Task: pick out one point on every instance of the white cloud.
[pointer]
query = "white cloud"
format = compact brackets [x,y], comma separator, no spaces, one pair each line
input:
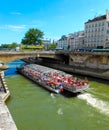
[15,13]
[13,27]
[22,27]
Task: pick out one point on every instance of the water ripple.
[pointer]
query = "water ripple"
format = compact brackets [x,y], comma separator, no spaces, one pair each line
[52,95]
[60,112]
[103,106]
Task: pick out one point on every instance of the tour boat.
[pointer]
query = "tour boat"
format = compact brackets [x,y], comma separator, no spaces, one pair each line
[41,75]
[52,79]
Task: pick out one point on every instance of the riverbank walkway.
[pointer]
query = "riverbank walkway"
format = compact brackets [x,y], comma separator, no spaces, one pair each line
[6,120]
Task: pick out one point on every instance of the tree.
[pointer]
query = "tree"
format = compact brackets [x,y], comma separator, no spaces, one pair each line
[9,46]
[4,46]
[33,37]
[13,45]
[52,46]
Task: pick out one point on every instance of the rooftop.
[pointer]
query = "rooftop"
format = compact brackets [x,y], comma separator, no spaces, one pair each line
[103,17]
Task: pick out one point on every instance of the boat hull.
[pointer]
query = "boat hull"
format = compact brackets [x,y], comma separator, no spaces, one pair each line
[79,89]
[53,80]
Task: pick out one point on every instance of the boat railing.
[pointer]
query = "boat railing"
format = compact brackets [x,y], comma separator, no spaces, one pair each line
[76,88]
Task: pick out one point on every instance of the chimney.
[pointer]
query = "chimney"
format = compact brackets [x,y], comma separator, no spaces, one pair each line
[107,15]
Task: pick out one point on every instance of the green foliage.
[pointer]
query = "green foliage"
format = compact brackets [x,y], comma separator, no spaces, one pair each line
[33,37]
[31,47]
[9,46]
[52,46]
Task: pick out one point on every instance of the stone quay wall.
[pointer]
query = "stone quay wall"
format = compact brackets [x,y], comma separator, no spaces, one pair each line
[6,120]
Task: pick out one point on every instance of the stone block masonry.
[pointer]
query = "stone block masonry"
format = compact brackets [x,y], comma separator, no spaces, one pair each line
[6,120]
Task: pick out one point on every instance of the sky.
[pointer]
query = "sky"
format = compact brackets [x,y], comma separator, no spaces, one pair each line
[53,17]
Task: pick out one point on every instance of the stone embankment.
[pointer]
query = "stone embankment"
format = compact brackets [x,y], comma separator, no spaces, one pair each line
[96,73]
[6,120]
[86,71]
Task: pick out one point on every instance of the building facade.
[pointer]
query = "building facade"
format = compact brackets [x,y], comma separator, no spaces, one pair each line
[72,41]
[97,32]
[62,42]
[46,42]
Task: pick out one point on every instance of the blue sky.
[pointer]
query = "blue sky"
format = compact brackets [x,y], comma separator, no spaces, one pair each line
[54,17]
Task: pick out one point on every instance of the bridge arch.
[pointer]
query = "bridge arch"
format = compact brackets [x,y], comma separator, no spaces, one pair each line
[11,56]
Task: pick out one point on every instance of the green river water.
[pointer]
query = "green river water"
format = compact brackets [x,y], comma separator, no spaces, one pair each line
[34,108]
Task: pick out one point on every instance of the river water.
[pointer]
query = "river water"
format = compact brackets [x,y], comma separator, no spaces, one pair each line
[34,108]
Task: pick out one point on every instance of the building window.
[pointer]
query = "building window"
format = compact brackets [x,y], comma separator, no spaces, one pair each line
[86,26]
[107,31]
[102,23]
[102,28]
[92,25]
[96,25]
[107,38]
[98,29]
[108,25]
[99,24]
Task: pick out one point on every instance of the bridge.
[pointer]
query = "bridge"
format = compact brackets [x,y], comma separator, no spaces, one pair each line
[85,59]
[11,56]
[96,63]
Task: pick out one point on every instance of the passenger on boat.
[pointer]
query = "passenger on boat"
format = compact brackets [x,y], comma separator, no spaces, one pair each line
[86,80]
[45,79]
[61,87]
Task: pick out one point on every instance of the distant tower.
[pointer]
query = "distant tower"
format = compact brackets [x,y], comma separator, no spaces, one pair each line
[107,15]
